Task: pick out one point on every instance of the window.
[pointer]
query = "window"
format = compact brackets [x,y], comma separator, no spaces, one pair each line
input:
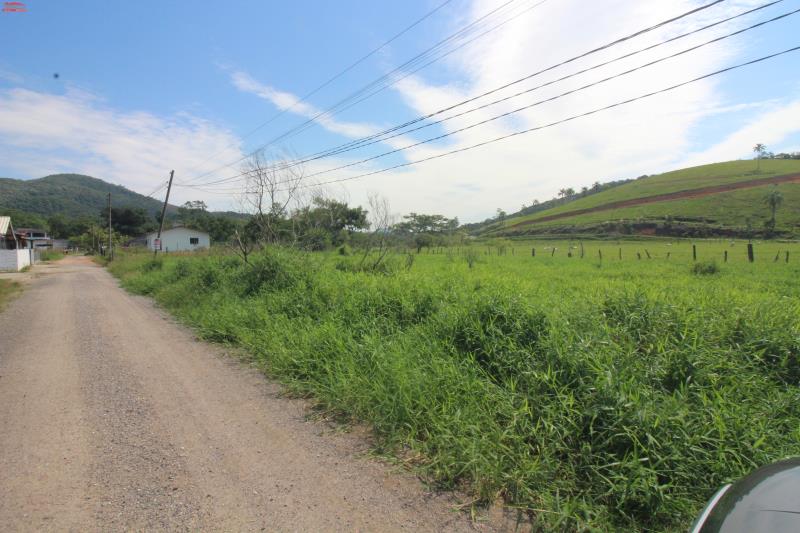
[194,240]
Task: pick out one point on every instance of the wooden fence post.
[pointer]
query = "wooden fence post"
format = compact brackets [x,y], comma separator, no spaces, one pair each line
[787,256]
[726,256]
[553,252]
[648,253]
[533,252]
[694,252]
[620,254]
[750,256]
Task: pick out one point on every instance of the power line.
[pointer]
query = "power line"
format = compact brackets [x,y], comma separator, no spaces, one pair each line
[336,76]
[529,106]
[574,117]
[409,73]
[552,67]
[558,122]
[379,137]
[158,189]
[330,111]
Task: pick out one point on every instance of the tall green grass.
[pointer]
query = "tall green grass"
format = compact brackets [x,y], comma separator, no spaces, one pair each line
[591,394]
[8,288]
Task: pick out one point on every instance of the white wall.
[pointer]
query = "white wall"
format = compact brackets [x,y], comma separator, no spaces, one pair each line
[179,240]
[14,260]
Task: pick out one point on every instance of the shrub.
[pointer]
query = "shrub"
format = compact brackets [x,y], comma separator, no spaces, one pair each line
[705,268]
[153,265]
[273,269]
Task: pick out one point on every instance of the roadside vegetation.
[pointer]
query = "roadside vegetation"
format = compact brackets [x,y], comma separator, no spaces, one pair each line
[51,255]
[8,289]
[587,391]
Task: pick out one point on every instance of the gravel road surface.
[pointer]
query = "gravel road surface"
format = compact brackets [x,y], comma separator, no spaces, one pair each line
[114,417]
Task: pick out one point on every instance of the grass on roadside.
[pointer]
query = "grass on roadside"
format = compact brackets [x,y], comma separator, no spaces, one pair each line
[8,289]
[596,394]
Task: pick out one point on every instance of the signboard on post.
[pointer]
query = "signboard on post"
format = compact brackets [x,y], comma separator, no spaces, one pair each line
[157,244]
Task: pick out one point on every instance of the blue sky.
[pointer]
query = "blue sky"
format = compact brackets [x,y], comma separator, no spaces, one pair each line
[146,87]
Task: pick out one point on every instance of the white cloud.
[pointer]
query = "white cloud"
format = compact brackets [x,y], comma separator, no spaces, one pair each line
[43,133]
[82,133]
[289,102]
[644,137]
[770,128]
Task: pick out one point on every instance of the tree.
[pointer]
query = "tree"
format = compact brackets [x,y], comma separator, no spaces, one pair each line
[130,221]
[760,150]
[194,214]
[566,193]
[501,215]
[773,199]
[415,223]
[381,221]
[272,188]
[331,217]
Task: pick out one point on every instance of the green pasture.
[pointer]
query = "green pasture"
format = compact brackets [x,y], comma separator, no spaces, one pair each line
[731,208]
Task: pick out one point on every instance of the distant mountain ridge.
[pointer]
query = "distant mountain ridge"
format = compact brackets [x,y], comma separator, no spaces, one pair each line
[78,195]
[71,195]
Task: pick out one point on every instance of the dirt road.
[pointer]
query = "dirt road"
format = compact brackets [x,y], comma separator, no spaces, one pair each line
[113,417]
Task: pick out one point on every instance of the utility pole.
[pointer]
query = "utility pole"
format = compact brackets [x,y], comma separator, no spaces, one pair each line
[163,212]
[109,227]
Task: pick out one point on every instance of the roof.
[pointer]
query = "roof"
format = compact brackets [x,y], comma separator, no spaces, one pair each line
[5,223]
[31,230]
[183,228]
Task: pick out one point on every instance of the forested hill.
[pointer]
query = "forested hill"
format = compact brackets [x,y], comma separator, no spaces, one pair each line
[70,195]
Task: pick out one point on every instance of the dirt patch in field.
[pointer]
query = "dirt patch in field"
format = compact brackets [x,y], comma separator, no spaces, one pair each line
[678,195]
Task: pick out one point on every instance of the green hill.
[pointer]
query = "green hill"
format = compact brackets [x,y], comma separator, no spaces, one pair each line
[716,199]
[70,195]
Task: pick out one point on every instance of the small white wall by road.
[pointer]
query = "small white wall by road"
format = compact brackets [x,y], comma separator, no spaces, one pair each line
[14,260]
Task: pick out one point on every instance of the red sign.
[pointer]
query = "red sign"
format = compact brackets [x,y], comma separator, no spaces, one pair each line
[157,244]
[14,7]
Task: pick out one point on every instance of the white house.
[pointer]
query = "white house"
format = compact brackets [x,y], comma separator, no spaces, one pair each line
[13,255]
[179,239]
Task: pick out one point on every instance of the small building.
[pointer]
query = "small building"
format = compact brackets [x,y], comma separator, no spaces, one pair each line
[13,254]
[33,238]
[178,239]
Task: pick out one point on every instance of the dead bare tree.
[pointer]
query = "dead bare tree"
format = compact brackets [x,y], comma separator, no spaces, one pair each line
[274,186]
[381,221]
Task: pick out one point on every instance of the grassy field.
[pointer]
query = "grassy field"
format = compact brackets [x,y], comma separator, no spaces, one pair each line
[729,208]
[590,394]
[7,289]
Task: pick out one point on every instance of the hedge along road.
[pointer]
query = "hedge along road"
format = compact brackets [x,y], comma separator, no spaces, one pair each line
[114,417]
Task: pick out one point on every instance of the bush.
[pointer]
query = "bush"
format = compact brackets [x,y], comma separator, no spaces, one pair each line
[273,269]
[705,268]
[153,265]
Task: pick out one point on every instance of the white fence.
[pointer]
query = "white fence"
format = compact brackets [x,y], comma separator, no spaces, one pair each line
[15,260]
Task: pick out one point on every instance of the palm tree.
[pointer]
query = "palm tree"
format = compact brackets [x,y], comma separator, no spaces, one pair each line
[774,200]
[759,149]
